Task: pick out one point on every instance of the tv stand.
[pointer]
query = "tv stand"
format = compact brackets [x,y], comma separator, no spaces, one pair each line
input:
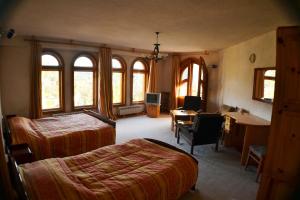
[153,110]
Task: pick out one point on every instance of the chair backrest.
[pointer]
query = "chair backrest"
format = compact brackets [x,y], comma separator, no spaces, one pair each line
[207,127]
[192,103]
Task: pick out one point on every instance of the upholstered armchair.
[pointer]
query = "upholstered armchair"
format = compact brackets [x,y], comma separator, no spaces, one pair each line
[206,129]
[191,103]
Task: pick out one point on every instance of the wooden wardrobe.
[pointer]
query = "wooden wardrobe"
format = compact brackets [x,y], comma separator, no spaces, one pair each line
[281,173]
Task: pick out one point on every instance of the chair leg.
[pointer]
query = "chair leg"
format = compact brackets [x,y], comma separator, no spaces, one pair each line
[178,137]
[192,149]
[259,169]
[247,161]
[217,146]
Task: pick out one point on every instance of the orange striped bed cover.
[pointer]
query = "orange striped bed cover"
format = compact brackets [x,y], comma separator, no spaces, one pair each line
[138,169]
[61,136]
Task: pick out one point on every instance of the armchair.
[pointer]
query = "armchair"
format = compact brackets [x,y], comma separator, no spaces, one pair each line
[191,103]
[206,129]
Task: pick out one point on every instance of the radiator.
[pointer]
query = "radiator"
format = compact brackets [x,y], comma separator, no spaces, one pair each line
[127,110]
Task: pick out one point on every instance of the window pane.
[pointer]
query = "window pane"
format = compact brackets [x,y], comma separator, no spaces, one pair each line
[117,87]
[49,60]
[195,79]
[270,73]
[138,65]
[138,89]
[83,61]
[185,74]
[50,90]
[269,88]
[116,64]
[83,88]
[183,89]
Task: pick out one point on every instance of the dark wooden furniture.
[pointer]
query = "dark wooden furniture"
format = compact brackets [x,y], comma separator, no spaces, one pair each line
[256,153]
[206,129]
[280,176]
[165,102]
[21,153]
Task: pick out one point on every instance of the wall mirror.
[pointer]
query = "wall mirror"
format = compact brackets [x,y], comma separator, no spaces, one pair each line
[264,84]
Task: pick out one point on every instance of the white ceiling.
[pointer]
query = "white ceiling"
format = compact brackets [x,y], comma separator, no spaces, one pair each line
[185,25]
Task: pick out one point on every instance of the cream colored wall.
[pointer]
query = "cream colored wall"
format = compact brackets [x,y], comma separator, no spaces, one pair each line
[237,73]
[15,75]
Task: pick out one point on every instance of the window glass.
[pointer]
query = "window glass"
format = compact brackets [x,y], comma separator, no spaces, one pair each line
[138,65]
[270,73]
[195,80]
[269,88]
[49,60]
[185,74]
[117,87]
[116,64]
[83,88]
[138,90]
[50,90]
[183,89]
[83,61]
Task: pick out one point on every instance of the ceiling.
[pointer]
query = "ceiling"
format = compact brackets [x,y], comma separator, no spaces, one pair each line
[185,25]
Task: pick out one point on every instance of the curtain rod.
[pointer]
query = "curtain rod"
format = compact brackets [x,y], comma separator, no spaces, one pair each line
[85,44]
[98,45]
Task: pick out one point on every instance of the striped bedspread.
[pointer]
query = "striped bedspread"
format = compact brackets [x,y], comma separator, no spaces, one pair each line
[138,169]
[62,135]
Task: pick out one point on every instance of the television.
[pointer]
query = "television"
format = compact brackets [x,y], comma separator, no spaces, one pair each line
[153,98]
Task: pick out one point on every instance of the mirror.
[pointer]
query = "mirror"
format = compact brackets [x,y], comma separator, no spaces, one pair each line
[264,84]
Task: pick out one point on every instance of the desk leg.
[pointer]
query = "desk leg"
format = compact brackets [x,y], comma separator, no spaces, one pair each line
[172,122]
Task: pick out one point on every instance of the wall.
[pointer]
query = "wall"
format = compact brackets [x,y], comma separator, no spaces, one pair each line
[237,73]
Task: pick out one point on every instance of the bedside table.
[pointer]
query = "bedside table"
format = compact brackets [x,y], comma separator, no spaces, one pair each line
[21,153]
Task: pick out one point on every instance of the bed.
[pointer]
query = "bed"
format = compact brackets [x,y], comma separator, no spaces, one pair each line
[139,169]
[62,135]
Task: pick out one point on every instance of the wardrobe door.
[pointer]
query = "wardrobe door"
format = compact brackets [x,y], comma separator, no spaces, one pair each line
[281,176]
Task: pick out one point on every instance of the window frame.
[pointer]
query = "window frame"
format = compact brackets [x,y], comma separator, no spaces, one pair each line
[60,69]
[144,71]
[123,70]
[188,63]
[93,69]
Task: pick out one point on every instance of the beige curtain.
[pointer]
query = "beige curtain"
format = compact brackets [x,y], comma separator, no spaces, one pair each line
[152,86]
[36,101]
[105,82]
[175,81]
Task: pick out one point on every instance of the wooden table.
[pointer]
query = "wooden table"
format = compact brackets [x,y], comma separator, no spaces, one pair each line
[179,114]
[243,130]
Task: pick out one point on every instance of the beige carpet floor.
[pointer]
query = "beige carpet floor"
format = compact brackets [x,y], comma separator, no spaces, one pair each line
[221,177]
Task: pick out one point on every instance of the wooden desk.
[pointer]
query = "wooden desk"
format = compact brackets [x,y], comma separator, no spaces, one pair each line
[242,130]
[179,114]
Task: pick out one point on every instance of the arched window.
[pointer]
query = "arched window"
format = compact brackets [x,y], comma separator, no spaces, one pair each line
[139,72]
[84,82]
[118,80]
[193,80]
[51,82]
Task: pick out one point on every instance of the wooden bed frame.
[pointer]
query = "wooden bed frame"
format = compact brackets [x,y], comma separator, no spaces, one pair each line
[17,181]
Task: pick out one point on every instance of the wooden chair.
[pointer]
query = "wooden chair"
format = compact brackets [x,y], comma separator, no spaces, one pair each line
[256,153]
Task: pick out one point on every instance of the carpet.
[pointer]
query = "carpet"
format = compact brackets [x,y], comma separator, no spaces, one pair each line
[221,177]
